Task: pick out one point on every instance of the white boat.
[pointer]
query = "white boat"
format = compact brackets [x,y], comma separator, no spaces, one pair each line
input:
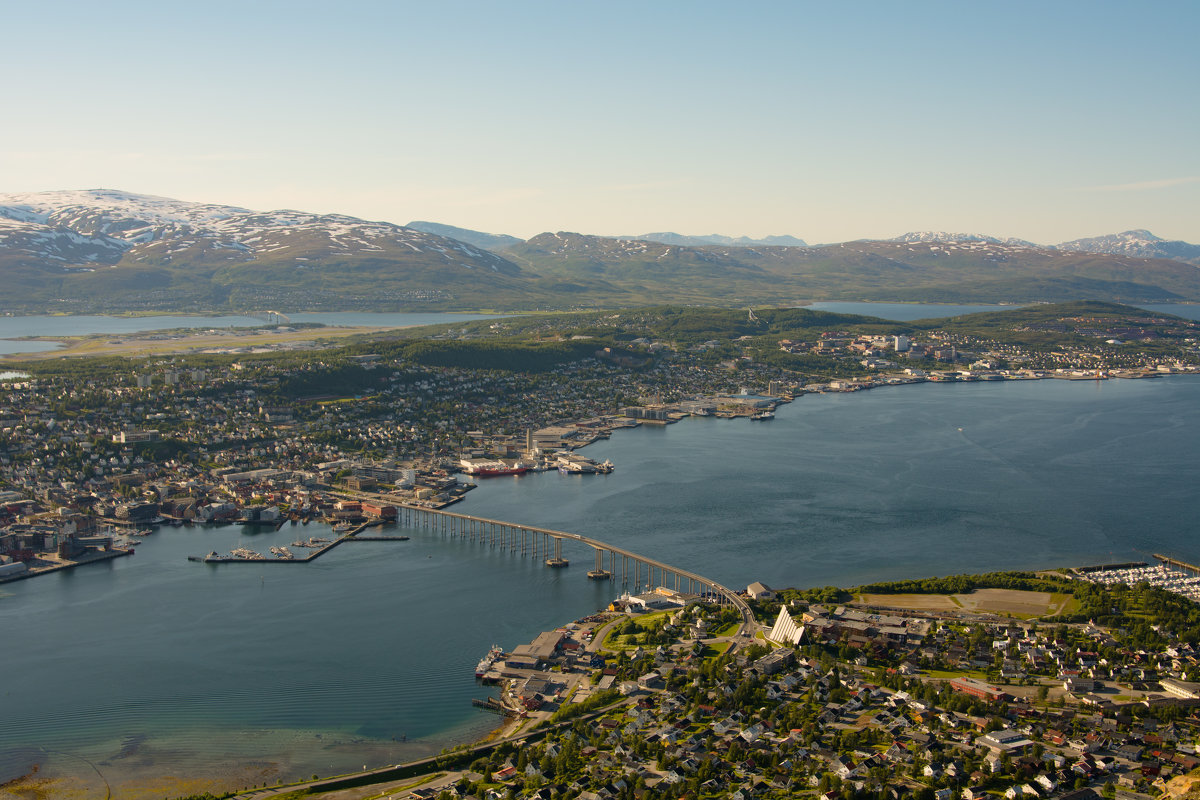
[487,661]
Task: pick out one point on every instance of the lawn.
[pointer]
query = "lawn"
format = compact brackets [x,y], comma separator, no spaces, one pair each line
[714,650]
[637,635]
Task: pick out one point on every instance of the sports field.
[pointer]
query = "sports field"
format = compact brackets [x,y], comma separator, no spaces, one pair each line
[1009,602]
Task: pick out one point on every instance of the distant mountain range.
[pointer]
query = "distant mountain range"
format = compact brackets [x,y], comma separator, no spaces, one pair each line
[941,237]
[718,239]
[1138,243]
[105,250]
[488,241]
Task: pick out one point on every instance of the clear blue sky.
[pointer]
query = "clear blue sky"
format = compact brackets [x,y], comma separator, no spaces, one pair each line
[829,121]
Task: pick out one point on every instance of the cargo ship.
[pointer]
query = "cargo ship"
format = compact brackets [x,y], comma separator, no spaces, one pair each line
[489,469]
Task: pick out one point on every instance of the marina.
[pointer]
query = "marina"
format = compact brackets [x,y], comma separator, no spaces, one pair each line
[1170,574]
[281,555]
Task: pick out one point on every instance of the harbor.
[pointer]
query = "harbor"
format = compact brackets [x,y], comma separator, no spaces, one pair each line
[1170,574]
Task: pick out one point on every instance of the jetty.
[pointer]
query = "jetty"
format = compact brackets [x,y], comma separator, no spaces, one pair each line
[1175,563]
[312,556]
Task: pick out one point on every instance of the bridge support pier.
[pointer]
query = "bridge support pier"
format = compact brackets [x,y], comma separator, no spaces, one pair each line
[599,573]
[536,542]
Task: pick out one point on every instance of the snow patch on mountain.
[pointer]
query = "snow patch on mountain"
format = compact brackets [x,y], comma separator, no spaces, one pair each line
[942,237]
[1138,243]
[115,225]
[685,240]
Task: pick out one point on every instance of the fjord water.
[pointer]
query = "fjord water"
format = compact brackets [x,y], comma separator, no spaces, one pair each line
[906,312]
[12,328]
[152,661]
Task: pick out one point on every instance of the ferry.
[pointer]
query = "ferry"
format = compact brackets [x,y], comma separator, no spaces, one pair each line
[763,415]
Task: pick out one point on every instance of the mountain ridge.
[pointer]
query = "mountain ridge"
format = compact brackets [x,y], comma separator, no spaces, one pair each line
[99,243]
[106,250]
[1138,242]
[685,240]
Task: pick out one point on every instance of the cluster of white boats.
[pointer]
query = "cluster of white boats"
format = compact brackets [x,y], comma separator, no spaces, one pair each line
[1160,576]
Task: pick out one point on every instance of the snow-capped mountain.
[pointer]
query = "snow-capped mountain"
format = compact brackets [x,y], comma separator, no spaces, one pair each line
[102,249]
[101,227]
[1139,243]
[685,240]
[942,237]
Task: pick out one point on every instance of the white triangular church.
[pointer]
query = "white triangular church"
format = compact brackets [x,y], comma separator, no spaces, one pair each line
[785,630]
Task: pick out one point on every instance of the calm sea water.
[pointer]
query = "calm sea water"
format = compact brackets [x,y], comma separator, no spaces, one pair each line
[83,325]
[318,667]
[906,312]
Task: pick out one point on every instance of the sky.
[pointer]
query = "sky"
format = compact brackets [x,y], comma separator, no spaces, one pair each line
[829,121]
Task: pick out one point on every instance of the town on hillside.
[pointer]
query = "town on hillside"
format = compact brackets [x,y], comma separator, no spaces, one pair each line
[95,452]
[1007,685]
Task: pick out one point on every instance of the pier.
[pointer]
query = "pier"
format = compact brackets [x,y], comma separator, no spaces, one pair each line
[1176,564]
[315,554]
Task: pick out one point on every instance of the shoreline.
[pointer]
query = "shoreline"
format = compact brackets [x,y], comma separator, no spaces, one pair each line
[1044,377]
[511,728]
[59,565]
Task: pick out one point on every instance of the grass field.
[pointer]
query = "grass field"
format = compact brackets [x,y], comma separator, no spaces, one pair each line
[714,650]
[1009,602]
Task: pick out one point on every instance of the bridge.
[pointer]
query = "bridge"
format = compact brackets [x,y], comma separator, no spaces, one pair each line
[636,572]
